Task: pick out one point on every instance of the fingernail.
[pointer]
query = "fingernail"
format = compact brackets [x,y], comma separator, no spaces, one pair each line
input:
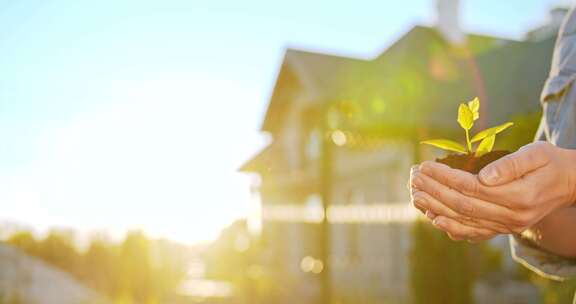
[489,175]
[437,221]
[430,215]
[425,167]
[417,181]
[419,200]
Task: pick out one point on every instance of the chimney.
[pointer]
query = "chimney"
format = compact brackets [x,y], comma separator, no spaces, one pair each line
[448,21]
[557,16]
[551,27]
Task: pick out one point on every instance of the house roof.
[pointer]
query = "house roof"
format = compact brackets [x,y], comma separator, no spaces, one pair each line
[305,70]
[329,77]
[265,161]
[415,84]
[419,80]
[514,76]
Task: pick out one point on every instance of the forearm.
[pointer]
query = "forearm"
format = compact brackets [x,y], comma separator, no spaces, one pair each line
[556,232]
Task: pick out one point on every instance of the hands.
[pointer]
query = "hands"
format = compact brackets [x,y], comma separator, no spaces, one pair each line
[508,196]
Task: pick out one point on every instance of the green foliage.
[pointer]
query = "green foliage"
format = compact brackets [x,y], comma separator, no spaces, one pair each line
[136,270]
[440,272]
[559,292]
[491,131]
[11,298]
[446,144]
[485,145]
[465,117]
[244,260]
[552,292]
[234,258]
[525,126]
[467,114]
[25,241]
[443,271]
[474,106]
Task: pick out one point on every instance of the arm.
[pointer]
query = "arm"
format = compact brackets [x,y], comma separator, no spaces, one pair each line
[551,233]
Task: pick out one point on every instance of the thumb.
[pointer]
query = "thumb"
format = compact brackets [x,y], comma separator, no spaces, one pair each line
[515,165]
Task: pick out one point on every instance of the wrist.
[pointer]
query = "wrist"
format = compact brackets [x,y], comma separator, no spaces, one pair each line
[532,234]
[571,174]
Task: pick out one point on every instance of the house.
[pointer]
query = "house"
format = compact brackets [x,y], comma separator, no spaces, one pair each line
[551,27]
[375,112]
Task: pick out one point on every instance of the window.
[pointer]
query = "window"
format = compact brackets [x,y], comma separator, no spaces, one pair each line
[313,145]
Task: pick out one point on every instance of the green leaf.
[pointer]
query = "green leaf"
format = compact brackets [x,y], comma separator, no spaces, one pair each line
[486,145]
[465,117]
[475,115]
[445,144]
[491,131]
[474,106]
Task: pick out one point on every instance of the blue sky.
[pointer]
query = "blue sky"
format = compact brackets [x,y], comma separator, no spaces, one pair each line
[135,114]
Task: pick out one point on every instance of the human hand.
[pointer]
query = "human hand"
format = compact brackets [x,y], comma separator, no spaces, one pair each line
[457,226]
[508,196]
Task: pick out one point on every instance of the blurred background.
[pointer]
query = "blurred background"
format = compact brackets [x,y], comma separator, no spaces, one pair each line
[253,151]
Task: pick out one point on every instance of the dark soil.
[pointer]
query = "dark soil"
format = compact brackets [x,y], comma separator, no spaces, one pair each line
[469,162]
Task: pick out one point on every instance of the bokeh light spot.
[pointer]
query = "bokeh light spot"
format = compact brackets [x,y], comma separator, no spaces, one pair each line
[339,138]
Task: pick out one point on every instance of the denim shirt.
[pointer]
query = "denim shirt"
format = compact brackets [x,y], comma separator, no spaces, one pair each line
[557,126]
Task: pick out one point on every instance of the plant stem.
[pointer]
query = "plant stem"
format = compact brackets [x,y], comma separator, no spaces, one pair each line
[468,143]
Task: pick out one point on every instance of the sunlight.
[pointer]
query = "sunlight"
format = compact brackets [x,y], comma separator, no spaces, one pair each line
[248,152]
[138,165]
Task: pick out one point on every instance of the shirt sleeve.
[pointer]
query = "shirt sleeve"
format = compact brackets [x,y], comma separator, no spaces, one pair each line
[557,126]
[540,261]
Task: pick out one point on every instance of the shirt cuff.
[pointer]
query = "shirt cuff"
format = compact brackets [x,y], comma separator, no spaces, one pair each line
[542,262]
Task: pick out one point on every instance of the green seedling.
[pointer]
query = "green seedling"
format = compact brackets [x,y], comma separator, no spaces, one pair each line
[467,114]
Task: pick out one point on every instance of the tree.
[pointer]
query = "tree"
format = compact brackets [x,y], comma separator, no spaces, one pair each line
[98,269]
[440,268]
[59,250]
[137,270]
[25,241]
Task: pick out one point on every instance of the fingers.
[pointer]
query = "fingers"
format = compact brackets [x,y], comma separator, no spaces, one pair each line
[413,189]
[515,165]
[460,180]
[433,207]
[413,170]
[458,232]
[425,201]
[468,184]
[458,202]
[431,215]
[444,218]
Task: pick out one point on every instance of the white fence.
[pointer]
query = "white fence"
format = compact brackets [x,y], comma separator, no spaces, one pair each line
[382,213]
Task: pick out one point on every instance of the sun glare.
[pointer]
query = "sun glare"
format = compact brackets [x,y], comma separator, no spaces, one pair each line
[151,160]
